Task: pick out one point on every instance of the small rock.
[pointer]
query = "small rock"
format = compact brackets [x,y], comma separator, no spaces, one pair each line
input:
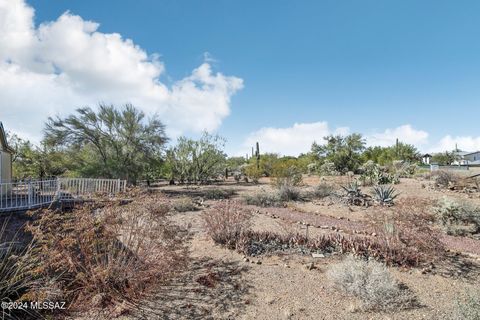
[318,255]
[374,234]
[246,259]
[259,262]
[309,266]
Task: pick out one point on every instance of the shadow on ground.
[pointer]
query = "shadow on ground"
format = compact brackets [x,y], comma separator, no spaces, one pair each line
[210,289]
[458,266]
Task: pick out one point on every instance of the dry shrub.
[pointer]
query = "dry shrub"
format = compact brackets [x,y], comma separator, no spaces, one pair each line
[218,194]
[444,178]
[16,279]
[184,204]
[372,283]
[264,199]
[406,237]
[322,190]
[458,217]
[103,256]
[226,222]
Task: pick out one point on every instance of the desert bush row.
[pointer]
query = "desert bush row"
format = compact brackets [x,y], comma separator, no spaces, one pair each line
[403,240]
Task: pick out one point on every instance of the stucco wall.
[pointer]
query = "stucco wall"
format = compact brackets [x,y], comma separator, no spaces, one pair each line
[5,167]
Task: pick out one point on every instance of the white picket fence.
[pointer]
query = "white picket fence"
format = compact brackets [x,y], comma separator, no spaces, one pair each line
[37,193]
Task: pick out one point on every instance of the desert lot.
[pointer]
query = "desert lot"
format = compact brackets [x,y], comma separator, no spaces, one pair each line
[292,285]
[289,282]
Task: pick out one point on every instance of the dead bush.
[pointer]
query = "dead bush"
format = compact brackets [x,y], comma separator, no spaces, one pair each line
[103,256]
[16,278]
[322,190]
[226,222]
[264,199]
[444,178]
[458,217]
[405,237]
[371,283]
[288,192]
[184,204]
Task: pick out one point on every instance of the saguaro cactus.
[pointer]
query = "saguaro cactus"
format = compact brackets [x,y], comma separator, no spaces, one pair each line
[257,154]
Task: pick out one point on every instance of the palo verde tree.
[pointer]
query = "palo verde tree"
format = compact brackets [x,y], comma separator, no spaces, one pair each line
[31,162]
[343,152]
[197,161]
[110,142]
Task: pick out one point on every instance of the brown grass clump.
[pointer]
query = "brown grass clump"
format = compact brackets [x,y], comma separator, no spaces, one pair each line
[226,222]
[105,256]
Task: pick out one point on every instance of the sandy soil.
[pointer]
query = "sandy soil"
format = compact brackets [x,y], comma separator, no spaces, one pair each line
[282,287]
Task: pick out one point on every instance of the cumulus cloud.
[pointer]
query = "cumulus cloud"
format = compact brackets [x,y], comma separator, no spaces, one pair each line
[405,133]
[67,63]
[290,141]
[465,143]
[298,138]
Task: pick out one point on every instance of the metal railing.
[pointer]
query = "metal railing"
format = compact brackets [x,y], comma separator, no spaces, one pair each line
[34,194]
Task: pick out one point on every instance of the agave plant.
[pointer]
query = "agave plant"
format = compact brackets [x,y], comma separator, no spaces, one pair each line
[385,194]
[352,189]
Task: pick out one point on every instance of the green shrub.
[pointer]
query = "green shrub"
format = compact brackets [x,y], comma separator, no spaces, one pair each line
[371,282]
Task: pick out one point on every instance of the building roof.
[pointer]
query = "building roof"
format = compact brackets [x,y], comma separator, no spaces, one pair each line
[3,140]
[469,153]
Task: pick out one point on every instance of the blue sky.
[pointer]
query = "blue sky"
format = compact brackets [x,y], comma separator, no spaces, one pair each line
[370,66]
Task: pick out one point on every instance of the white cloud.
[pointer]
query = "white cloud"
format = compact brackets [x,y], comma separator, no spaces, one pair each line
[290,141]
[465,143]
[68,63]
[405,133]
[299,138]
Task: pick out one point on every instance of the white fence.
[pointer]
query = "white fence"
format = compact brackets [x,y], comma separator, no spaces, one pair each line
[35,194]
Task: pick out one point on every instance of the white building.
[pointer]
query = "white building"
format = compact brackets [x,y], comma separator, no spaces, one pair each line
[5,157]
[467,158]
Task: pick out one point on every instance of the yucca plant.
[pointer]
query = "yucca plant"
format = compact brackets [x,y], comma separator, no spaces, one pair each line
[384,195]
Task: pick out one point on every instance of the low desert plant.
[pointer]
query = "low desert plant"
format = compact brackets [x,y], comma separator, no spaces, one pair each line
[264,199]
[370,282]
[288,192]
[458,217]
[226,222]
[467,308]
[444,178]
[354,196]
[384,195]
[405,237]
[16,278]
[218,194]
[328,169]
[321,191]
[184,204]
[99,257]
